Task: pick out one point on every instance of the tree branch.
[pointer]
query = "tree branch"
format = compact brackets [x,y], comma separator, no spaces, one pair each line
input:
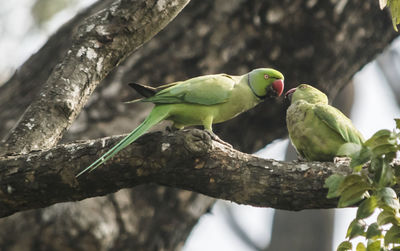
[200,41]
[21,89]
[101,43]
[188,159]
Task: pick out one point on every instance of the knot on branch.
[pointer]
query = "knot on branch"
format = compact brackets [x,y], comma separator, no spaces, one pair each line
[65,107]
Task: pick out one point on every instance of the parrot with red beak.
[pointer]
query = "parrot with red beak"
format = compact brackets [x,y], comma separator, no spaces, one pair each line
[316,129]
[203,100]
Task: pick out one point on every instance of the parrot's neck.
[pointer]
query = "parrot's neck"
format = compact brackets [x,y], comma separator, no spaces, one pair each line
[252,88]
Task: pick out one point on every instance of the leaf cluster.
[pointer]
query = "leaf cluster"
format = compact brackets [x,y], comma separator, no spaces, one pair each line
[394,6]
[370,187]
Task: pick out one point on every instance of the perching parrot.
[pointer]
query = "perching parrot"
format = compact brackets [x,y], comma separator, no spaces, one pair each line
[316,129]
[203,100]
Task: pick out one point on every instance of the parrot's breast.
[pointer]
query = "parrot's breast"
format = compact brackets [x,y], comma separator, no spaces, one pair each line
[311,137]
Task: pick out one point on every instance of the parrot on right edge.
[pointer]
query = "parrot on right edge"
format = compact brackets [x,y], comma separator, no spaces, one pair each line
[316,129]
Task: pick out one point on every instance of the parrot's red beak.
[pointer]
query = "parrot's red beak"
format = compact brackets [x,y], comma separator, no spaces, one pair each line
[278,86]
[290,92]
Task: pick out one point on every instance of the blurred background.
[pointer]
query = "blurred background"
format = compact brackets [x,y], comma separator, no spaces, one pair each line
[371,99]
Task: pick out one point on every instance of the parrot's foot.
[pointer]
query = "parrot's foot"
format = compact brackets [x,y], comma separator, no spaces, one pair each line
[216,138]
[174,127]
[301,158]
[171,129]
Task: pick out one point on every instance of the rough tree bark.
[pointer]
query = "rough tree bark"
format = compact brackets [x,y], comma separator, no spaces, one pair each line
[188,159]
[99,44]
[321,42]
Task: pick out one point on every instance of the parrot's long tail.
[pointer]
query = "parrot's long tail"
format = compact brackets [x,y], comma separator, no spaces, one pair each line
[158,114]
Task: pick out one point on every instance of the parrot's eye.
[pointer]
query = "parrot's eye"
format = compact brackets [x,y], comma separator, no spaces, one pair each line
[266,76]
[303,87]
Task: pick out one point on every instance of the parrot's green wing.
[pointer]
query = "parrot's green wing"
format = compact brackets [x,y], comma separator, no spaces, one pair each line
[337,121]
[204,90]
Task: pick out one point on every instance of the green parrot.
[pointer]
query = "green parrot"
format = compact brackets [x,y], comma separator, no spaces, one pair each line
[203,100]
[316,129]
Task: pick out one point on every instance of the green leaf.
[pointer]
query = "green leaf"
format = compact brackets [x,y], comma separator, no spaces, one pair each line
[386,176]
[396,170]
[356,228]
[386,216]
[393,235]
[373,231]
[390,156]
[360,158]
[382,142]
[389,198]
[352,189]
[367,207]
[375,166]
[349,149]
[351,180]
[374,245]
[394,6]
[397,120]
[379,138]
[353,194]
[384,149]
[344,246]
[360,247]
[332,183]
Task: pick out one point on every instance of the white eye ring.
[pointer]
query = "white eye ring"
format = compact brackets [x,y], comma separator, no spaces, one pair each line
[266,76]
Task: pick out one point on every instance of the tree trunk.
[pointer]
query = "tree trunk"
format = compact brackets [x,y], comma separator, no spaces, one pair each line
[319,42]
[305,230]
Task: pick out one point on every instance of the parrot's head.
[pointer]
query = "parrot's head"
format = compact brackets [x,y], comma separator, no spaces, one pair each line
[266,82]
[307,93]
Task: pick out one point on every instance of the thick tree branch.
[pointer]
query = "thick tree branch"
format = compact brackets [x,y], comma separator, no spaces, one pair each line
[21,89]
[330,47]
[189,159]
[322,30]
[101,43]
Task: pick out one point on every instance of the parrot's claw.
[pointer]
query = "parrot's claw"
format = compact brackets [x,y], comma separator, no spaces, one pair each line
[174,128]
[301,158]
[171,129]
[216,138]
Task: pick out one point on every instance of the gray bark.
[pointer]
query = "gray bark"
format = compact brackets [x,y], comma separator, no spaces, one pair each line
[190,160]
[99,44]
[321,42]
[305,230]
